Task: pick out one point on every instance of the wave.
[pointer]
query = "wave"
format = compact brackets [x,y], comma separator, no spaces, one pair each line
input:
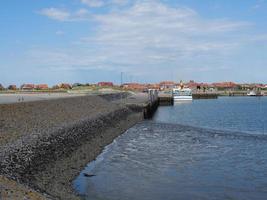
[209,131]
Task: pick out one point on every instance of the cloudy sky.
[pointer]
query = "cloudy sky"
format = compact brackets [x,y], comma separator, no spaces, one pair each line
[148,40]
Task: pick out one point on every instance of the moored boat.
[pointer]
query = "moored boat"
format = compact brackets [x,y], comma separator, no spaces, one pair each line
[182,94]
[254,93]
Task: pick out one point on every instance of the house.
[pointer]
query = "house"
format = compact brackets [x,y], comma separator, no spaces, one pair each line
[41,87]
[246,86]
[225,86]
[134,86]
[27,87]
[105,84]
[64,86]
[193,85]
[153,86]
[12,87]
[167,85]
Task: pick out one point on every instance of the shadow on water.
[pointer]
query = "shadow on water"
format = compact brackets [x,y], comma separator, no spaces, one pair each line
[159,160]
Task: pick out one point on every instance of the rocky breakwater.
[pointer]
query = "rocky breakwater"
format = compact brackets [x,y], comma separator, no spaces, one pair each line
[44,145]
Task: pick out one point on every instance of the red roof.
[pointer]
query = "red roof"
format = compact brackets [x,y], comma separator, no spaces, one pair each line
[64,86]
[134,86]
[105,84]
[167,83]
[41,86]
[225,84]
[27,86]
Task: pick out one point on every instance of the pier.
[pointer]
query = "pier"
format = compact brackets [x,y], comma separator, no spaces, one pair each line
[153,103]
[166,100]
[205,95]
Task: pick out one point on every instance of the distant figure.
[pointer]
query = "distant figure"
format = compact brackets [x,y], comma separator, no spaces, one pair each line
[198,87]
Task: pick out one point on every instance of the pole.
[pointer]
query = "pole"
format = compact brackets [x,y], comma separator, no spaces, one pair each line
[121,85]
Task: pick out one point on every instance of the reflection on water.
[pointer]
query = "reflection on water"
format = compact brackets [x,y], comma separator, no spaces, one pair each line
[156,160]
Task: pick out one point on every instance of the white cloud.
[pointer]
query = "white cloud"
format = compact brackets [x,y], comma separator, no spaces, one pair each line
[101,3]
[93,3]
[119,2]
[65,15]
[82,12]
[151,29]
[55,13]
[149,35]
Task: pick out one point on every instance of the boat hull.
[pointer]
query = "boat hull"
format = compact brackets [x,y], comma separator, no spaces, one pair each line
[182,98]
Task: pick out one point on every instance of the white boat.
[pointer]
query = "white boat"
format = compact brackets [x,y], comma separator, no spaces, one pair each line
[182,94]
[253,93]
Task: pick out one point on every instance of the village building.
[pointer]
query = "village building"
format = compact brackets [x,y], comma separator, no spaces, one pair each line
[167,85]
[105,84]
[153,86]
[27,87]
[41,87]
[64,86]
[225,86]
[135,86]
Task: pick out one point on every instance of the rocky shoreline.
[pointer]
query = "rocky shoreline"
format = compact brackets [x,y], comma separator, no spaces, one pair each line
[45,145]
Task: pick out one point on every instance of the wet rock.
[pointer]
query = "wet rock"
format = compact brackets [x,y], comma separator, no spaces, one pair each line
[88,175]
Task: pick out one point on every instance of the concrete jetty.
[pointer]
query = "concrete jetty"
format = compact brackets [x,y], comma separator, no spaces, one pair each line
[205,95]
[45,144]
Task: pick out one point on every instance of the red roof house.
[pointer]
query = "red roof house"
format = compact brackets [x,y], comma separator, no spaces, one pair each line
[64,86]
[27,87]
[134,86]
[167,85]
[41,87]
[105,84]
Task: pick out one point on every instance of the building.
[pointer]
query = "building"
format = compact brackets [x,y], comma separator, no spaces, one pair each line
[64,86]
[27,87]
[105,84]
[167,85]
[225,86]
[135,86]
[41,87]
[12,87]
[153,86]
[193,85]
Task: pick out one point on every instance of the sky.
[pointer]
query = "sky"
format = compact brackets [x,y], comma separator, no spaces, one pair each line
[86,41]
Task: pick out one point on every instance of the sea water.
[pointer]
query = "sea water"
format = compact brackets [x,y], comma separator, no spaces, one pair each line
[204,149]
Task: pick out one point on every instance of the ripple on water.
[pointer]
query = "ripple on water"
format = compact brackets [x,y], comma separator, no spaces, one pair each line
[166,161]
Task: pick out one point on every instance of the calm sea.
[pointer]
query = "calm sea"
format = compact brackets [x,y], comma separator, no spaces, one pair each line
[206,149]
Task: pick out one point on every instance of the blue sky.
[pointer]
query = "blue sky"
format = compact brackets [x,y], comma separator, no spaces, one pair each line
[149,40]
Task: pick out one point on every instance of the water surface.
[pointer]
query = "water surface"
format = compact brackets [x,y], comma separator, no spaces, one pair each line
[200,159]
[244,114]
